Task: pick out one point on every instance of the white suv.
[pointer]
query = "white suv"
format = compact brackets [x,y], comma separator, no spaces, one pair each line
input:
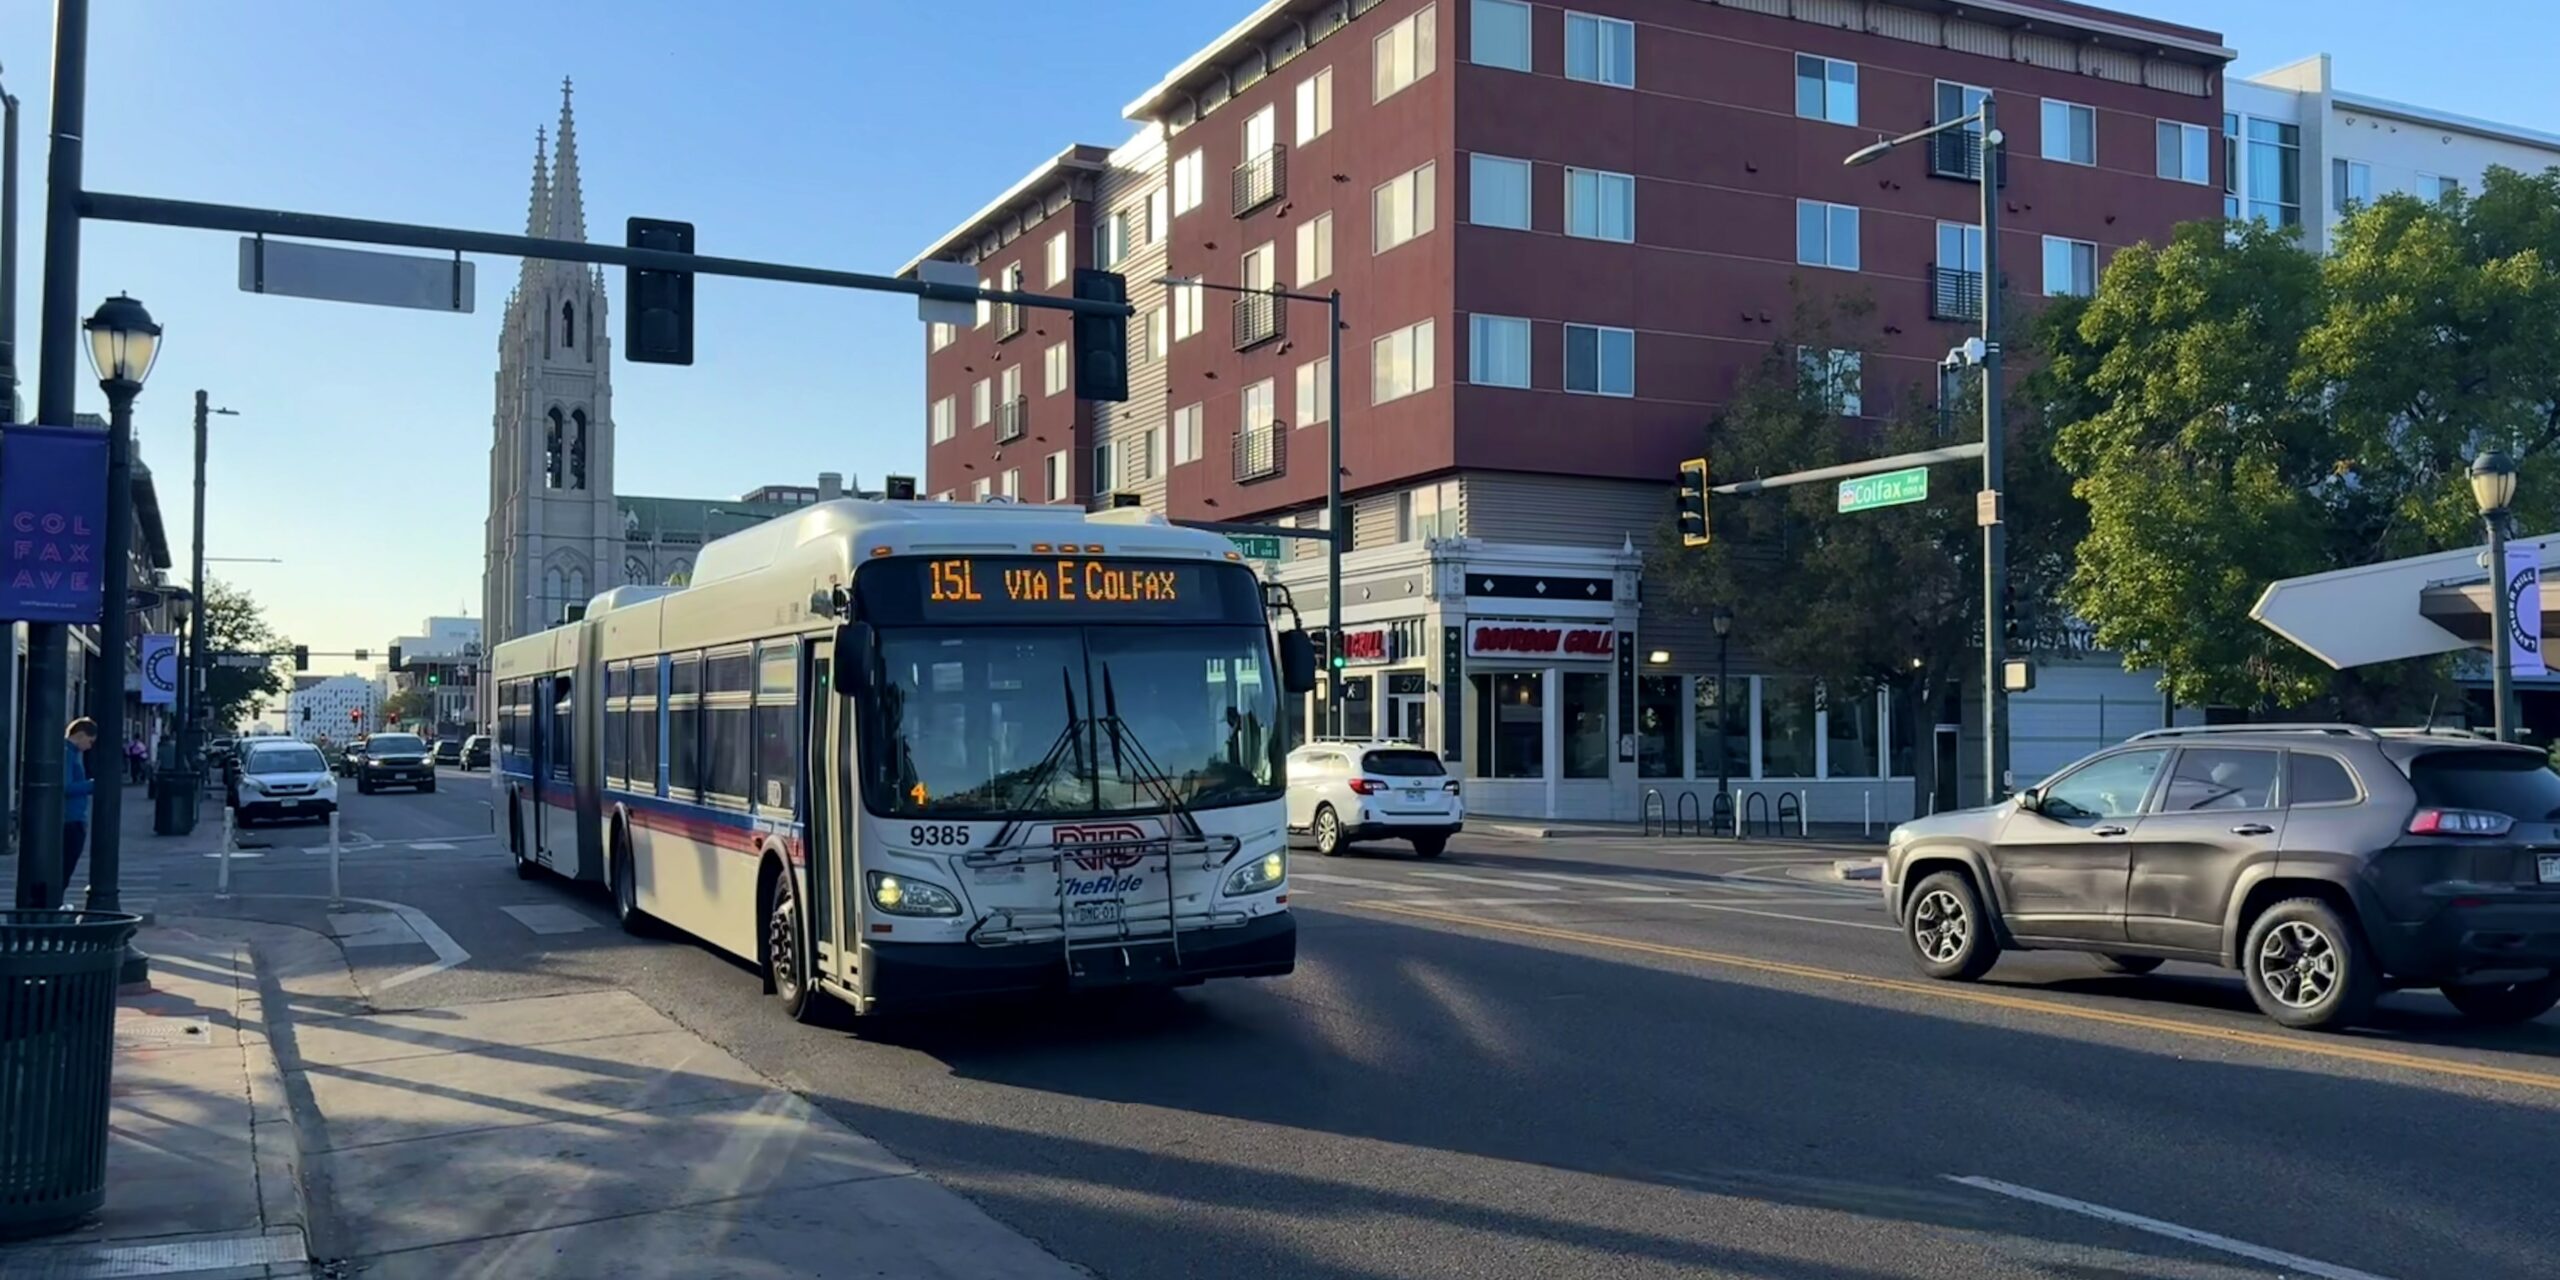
[282,778]
[1346,789]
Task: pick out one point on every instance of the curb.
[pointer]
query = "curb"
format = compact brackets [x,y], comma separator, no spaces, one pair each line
[275,1148]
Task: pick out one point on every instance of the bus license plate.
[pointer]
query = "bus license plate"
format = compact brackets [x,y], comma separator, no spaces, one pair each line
[1094,912]
[2547,866]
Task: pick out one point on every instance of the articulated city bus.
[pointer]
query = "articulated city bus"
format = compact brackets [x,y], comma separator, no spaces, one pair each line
[904,752]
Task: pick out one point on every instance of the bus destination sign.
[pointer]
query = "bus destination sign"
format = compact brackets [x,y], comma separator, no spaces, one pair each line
[1064,589]
[1065,580]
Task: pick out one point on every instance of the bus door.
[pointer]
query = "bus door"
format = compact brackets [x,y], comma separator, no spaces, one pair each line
[828,722]
[535,719]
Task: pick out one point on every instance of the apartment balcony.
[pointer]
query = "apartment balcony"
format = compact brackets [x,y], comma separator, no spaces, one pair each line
[1259,318]
[1954,294]
[1261,452]
[1013,417]
[1260,180]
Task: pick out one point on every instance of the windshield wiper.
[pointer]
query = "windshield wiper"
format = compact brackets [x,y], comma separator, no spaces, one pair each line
[1149,776]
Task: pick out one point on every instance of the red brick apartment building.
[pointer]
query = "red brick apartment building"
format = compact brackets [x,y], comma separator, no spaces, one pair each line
[1560,232]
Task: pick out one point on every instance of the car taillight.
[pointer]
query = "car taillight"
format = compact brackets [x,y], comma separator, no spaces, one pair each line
[1451,786]
[1367,786]
[2459,822]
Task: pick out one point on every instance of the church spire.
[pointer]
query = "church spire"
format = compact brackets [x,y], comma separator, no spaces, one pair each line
[567,206]
[537,214]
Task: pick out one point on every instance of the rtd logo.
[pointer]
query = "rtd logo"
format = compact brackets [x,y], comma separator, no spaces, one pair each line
[1105,846]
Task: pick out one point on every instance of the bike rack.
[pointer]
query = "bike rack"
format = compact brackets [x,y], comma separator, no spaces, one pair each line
[1720,819]
[1755,814]
[1652,810]
[1789,806]
[1685,815]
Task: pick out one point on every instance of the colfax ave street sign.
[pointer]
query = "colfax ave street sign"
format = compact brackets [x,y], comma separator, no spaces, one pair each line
[1889,489]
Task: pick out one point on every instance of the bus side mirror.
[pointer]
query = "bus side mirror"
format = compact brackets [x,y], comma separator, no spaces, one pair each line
[857,648]
[1297,661]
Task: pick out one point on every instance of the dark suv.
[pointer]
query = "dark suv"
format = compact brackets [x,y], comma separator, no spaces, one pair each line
[394,760]
[2327,863]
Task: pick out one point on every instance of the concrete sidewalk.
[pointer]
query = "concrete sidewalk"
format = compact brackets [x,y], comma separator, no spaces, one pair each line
[201,1176]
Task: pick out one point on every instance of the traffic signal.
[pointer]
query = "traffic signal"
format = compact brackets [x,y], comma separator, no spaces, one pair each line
[434,678]
[657,317]
[1102,342]
[302,657]
[1693,503]
[899,488]
[395,657]
[355,715]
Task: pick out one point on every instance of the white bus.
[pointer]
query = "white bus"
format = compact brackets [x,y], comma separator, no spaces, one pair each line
[905,753]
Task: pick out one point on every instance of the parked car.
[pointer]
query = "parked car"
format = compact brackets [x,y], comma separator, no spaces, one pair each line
[350,758]
[475,752]
[1347,789]
[395,760]
[282,778]
[449,752]
[2326,863]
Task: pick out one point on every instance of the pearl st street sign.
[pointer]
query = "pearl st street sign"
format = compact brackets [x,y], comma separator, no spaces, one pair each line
[1256,546]
[1889,489]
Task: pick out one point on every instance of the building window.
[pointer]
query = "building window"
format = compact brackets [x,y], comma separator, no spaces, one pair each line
[1010,484]
[1186,435]
[1056,474]
[2070,268]
[1111,240]
[2231,166]
[944,412]
[980,488]
[1599,205]
[1054,368]
[1186,183]
[1827,235]
[1009,384]
[1835,378]
[1498,351]
[2275,173]
[1315,249]
[2183,151]
[1826,89]
[2070,132]
[1850,735]
[1260,406]
[1599,360]
[1104,461]
[1400,363]
[1661,728]
[1498,192]
[1188,304]
[1159,215]
[981,402]
[1600,50]
[986,309]
[1510,724]
[1056,255]
[1404,53]
[1315,106]
[1959,246]
[1401,208]
[942,336]
[1315,392]
[2433,187]
[1431,511]
[1147,460]
[1158,326]
[1501,35]
[1787,737]
[1584,724]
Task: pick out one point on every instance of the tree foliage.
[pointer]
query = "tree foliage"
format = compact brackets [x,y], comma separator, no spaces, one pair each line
[235,624]
[2235,410]
[403,706]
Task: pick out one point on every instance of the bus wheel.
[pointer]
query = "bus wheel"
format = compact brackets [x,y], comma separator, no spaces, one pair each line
[525,869]
[786,951]
[626,889]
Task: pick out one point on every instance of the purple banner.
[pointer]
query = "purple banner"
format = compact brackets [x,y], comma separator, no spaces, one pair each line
[53,527]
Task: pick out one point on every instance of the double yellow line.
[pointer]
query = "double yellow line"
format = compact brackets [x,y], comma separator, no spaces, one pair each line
[2340,1050]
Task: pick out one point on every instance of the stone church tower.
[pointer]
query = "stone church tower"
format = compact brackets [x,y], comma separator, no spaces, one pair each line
[554,534]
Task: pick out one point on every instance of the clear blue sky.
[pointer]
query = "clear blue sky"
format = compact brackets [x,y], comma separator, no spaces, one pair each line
[835,132]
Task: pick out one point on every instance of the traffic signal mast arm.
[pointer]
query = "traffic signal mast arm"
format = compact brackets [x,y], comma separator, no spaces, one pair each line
[1852,470]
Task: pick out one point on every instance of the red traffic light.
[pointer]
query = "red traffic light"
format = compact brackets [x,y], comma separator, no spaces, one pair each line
[355,715]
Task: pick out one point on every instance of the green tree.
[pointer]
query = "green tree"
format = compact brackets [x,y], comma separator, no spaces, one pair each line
[1890,598]
[403,707]
[2236,410]
[235,624]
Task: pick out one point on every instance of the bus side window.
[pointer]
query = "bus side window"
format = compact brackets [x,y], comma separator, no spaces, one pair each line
[777,730]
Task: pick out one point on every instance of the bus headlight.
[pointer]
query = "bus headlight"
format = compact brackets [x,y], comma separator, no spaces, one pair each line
[901,896]
[1261,875]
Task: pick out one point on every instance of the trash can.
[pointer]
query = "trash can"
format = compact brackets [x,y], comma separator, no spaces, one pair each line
[57,1048]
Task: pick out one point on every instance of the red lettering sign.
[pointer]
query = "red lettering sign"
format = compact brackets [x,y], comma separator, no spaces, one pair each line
[1501,640]
[1366,645]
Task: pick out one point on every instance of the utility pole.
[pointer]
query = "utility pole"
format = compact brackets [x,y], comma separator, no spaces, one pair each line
[1333,513]
[1995,530]
[8,415]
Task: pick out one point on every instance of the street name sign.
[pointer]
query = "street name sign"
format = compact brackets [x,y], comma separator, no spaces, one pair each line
[243,660]
[1890,489]
[1257,546]
[367,276]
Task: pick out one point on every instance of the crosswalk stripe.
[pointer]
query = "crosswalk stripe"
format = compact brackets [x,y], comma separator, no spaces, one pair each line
[1781,915]
[1497,881]
[1327,877]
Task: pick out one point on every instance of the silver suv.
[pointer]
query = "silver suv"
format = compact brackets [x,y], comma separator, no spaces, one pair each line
[2327,863]
[1346,789]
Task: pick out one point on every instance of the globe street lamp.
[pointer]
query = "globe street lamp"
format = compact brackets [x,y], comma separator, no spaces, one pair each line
[2493,486]
[123,343]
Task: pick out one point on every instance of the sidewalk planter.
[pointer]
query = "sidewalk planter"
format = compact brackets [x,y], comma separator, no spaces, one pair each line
[57,1049]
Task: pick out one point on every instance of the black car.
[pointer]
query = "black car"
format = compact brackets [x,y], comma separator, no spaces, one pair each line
[449,752]
[475,752]
[395,760]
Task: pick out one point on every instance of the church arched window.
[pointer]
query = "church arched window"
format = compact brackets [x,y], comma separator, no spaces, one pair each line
[635,571]
[555,592]
[577,586]
[552,456]
[569,325]
[578,449]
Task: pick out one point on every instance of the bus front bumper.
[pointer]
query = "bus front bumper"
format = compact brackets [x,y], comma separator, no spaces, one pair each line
[899,976]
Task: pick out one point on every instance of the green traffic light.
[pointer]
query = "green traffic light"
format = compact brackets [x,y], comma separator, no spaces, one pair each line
[1339,664]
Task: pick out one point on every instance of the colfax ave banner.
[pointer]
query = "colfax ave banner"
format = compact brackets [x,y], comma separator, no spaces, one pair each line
[1537,640]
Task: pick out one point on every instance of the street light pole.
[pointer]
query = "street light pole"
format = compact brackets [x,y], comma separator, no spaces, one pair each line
[123,342]
[1724,711]
[8,414]
[2493,486]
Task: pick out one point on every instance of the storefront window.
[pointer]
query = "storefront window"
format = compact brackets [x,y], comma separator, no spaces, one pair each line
[1723,733]
[1906,735]
[1786,726]
[1661,727]
[1851,728]
[1586,725]
[1359,709]
[1510,725]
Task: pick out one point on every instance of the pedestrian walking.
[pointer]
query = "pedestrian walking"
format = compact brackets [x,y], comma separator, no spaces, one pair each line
[77,737]
[134,755]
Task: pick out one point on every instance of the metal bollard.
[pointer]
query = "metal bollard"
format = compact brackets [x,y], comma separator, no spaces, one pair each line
[222,880]
[1866,813]
[1804,814]
[335,900]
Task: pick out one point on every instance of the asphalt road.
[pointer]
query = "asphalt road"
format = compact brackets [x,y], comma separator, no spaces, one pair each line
[1541,1059]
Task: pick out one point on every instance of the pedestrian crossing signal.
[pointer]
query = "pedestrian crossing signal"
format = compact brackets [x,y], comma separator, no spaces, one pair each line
[1693,503]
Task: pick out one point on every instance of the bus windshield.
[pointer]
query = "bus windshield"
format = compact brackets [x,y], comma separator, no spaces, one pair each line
[999,721]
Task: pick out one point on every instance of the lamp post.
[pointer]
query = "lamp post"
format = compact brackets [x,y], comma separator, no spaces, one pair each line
[123,342]
[2493,486]
[1723,621]
[1334,531]
[1988,513]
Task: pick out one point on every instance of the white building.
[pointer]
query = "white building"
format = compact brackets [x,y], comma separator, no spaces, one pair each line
[444,662]
[333,709]
[2298,150]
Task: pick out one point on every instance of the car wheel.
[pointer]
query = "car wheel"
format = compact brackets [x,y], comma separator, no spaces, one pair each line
[363,788]
[1328,832]
[1949,932]
[626,891]
[1430,846]
[526,868]
[428,789]
[2504,1003]
[2129,964]
[786,951]
[2308,967]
